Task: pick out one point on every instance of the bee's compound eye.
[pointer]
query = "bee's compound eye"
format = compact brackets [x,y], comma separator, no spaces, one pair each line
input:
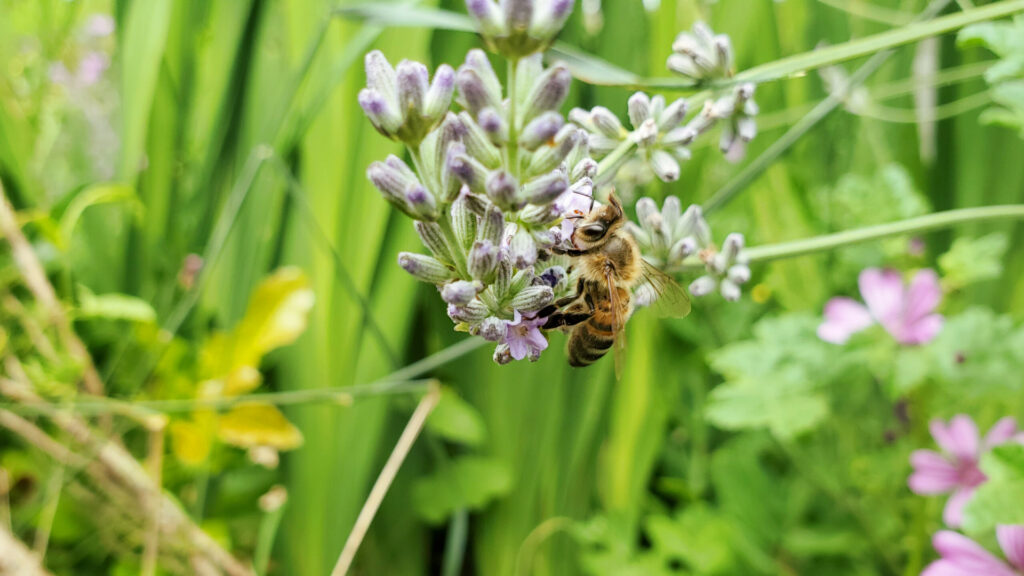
[591,232]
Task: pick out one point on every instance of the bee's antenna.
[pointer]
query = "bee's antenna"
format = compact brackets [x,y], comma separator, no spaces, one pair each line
[591,196]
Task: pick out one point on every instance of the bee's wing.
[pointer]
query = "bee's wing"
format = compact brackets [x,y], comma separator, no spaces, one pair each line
[671,300]
[618,322]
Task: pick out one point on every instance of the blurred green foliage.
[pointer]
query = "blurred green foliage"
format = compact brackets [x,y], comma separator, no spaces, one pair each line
[736,442]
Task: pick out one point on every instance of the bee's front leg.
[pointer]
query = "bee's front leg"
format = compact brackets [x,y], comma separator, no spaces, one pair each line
[562,302]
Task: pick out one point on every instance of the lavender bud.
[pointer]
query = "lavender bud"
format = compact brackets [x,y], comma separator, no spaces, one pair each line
[746,128]
[548,92]
[503,190]
[463,221]
[483,260]
[380,76]
[692,223]
[493,329]
[673,115]
[646,134]
[472,313]
[523,250]
[730,291]
[533,298]
[546,189]
[550,17]
[607,123]
[586,168]
[413,83]
[545,239]
[460,292]
[502,279]
[639,106]
[466,168]
[640,235]
[723,49]
[681,249]
[518,14]
[665,167]
[583,119]
[488,16]
[703,286]
[644,296]
[384,117]
[645,208]
[492,224]
[432,237]
[473,93]
[672,210]
[540,216]
[494,126]
[681,136]
[439,96]
[547,158]
[685,66]
[540,130]
[739,274]
[478,143]
[424,268]
[732,246]
[521,280]
[422,202]
[502,354]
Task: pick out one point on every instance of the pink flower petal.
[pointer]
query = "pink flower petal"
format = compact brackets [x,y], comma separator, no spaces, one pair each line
[843,318]
[946,568]
[953,513]
[968,555]
[923,295]
[882,291]
[1001,432]
[920,331]
[933,474]
[959,439]
[1011,540]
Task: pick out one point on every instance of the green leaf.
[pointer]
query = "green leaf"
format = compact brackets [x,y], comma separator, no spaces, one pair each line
[782,402]
[383,14]
[698,536]
[1011,115]
[1005,39]
[1000,500]
[977,351]
[971,260]
[456,420]
[113,307]
[95,195]
[467,482]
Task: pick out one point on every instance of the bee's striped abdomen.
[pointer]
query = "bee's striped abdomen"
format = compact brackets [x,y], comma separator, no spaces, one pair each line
[589,341]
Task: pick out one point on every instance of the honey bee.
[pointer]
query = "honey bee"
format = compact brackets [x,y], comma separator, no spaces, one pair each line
[609,266]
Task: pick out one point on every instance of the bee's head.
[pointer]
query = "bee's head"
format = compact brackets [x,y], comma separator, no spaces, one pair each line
[594,229]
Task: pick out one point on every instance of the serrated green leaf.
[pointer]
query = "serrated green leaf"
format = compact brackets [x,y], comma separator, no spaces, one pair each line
[1000,500]
[971,260]
[456,420]
[468,482]
[698,536]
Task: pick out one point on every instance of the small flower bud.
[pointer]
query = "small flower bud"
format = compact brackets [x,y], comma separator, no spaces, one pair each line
[586,168]
[645,207]
[424,268]
[729,291]
[533,298]
[380,76]
[545,239]
[523,250]
[607,123]
[502,354]
[671,210]
[473,93]
[518,14]
[384,116]
[483,260]
[732,246]
[432,237]
[502,279]
[494,126]
[492,225]
[680,250]
[639,109]
[665,167]
[550,17]
[521,280]
[487,14]
[540,130]
[478,143]
[548,93]
[464,221]
[739,274]
[547,158]
[681,136]
[703,286]
[692,223]
[466,168]
[434,151]
[460,292]
[493,329]
[546,189]
[472,313]
[540,216]
[503,190]
[413,83]
[421,202]
[439,96]
[673,115]
[646,134]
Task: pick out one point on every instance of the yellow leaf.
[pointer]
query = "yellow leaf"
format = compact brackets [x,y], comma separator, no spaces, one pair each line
[192,440]
[258,424]
[276,316]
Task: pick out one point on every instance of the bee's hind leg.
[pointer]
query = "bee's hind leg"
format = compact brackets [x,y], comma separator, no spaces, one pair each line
[557,305]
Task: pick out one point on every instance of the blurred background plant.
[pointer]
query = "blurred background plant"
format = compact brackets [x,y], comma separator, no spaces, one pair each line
[189,178]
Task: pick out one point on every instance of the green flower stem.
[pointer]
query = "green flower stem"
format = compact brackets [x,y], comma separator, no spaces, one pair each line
[513,126]
[610,164]
[936,221]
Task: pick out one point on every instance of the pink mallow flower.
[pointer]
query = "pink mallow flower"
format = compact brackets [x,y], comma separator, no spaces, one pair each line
[524,337]
[906,312]
[956,469]
[962,556]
